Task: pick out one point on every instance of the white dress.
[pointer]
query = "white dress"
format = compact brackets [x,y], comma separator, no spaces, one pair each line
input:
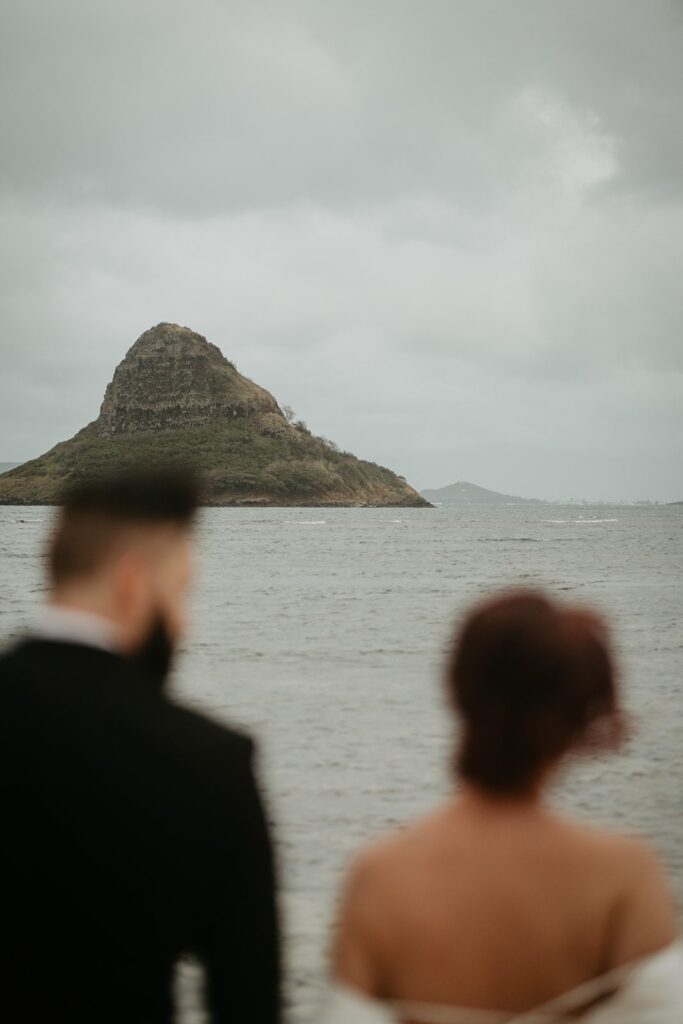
[647,992]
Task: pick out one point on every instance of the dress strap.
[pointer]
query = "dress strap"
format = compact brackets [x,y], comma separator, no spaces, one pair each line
[431,1013]
[583,996]
[553,1012]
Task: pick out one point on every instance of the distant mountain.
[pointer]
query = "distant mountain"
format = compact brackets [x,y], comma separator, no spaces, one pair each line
[175,398]
[463,493]
[5,466]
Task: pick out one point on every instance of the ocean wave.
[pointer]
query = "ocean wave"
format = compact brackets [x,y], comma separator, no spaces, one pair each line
[511,540]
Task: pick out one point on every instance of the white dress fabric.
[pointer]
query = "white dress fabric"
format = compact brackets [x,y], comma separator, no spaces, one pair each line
[648,992]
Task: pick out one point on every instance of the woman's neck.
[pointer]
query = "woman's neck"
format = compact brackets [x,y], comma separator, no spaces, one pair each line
[477,800]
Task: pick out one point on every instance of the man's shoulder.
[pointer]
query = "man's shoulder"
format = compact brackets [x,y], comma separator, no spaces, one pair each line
[29,663]
[206,733]
[105,688]
[210,758]
[16,652]
[26,654]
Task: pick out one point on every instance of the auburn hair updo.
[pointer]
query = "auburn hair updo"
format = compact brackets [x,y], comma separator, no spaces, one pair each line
[531,679]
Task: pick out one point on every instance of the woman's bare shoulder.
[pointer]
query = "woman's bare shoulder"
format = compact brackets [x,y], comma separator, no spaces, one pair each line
[626,851]
[393,849]
[642,905]
[394,846]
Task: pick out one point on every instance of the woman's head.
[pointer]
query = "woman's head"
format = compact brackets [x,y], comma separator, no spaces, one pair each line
[531,679]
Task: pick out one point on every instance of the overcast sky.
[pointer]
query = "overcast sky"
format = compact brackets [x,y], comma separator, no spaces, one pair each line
[449,233]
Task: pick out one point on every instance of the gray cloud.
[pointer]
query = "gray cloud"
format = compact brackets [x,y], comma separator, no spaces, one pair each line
[448,233]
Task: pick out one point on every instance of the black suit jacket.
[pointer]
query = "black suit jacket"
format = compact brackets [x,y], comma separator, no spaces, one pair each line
[132,832]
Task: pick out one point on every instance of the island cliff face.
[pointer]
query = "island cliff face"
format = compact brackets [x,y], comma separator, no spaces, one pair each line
[174,379]
[176,399]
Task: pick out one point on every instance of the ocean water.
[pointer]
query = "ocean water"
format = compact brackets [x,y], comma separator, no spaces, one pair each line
[323,632]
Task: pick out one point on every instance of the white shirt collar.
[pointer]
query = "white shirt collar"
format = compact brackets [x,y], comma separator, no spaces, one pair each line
[72,625]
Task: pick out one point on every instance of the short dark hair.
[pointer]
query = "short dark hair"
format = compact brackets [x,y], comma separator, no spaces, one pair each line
[95,512]
[531,678]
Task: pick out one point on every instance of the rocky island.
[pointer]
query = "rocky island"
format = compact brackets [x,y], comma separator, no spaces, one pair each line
[176,399]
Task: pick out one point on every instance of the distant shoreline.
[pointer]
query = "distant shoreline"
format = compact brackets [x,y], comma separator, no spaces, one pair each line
[461,507]
[244,504]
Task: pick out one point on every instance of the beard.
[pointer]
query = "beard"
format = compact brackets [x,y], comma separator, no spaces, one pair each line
[154,656]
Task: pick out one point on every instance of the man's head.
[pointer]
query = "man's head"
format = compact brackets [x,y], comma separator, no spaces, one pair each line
[122,549]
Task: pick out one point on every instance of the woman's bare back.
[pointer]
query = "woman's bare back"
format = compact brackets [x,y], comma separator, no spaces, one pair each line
[498,904]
